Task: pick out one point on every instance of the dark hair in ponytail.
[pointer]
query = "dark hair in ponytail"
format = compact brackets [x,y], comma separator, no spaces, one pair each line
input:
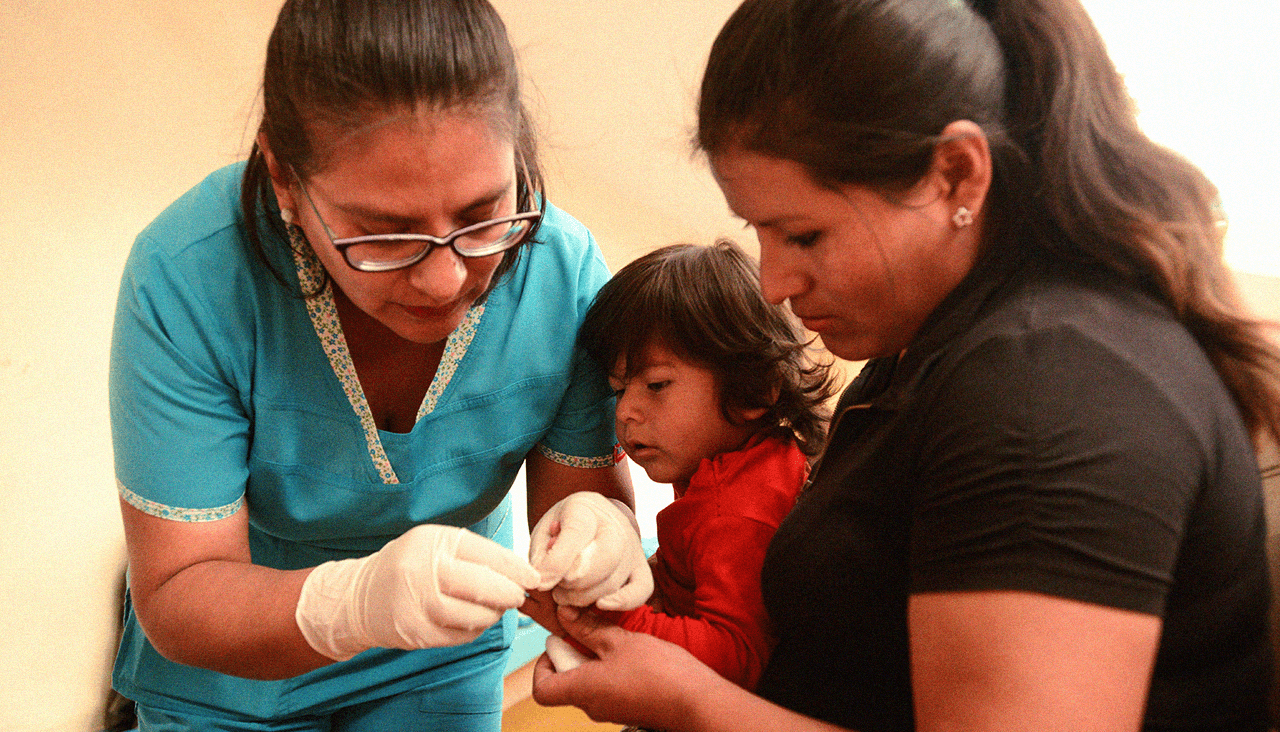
[333,66]
[858,91]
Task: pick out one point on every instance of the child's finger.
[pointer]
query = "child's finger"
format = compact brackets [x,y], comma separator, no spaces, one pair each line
[587,628]
[541,540]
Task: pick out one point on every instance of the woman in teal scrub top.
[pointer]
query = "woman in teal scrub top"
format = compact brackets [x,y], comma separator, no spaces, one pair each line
[329,364]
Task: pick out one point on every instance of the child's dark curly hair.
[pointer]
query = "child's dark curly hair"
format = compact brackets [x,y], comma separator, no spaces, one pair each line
[704,304]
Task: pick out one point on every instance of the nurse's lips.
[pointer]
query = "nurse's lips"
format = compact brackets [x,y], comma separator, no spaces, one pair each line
[423,312]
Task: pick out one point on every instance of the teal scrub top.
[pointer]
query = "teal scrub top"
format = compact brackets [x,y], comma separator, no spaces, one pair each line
[229,390]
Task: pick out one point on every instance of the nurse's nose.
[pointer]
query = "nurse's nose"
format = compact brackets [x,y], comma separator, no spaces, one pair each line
[441,276]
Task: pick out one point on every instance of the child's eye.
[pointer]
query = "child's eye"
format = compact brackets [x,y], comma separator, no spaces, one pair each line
[657,385]
[617,393]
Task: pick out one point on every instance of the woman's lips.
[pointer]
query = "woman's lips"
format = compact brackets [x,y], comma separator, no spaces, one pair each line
[815,323]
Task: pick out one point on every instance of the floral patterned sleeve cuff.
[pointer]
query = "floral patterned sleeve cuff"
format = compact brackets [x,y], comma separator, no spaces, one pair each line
[191,515]
[573,461]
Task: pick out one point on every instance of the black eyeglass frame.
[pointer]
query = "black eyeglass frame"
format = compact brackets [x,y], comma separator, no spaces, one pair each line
[432,242]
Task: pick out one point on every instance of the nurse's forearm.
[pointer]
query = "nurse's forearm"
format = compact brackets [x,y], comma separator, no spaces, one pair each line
[548,482]
[231,617]
[202,602]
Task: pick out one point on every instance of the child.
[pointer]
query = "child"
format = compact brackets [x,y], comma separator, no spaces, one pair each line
[717,396]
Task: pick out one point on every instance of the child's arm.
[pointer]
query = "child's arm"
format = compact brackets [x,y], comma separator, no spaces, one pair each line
[727,628]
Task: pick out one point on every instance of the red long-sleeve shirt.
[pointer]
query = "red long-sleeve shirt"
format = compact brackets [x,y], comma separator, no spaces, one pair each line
[711,545]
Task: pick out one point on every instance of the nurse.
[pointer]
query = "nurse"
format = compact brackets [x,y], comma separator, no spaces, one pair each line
[328,365]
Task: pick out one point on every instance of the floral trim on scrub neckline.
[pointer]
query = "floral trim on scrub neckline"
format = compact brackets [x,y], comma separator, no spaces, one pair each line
[324,318]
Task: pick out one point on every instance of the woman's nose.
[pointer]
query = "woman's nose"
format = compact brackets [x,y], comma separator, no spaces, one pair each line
[441,275]
[780,279]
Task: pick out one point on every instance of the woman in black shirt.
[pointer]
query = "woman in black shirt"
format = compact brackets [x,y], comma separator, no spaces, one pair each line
[1040,507]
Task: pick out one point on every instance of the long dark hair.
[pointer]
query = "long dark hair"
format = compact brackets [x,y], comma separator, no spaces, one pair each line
[335,65]
[704,304]
[859,91]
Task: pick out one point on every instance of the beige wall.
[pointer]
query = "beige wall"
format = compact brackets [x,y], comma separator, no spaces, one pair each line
[108,111]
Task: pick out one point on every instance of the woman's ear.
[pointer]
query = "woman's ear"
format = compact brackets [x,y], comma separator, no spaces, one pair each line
[962,161]
[281,179]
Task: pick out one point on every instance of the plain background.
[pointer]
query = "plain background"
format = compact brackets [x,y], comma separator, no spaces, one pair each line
[109,111]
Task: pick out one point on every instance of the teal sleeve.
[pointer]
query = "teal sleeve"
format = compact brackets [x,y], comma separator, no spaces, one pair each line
[179,426]
[582,433]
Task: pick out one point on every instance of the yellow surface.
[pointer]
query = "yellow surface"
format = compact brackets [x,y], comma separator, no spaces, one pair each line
[522,714]
[527,716]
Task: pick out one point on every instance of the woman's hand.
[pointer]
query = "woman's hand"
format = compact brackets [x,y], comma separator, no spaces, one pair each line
[641,680]
[432,586]
[587,548]
[638,679]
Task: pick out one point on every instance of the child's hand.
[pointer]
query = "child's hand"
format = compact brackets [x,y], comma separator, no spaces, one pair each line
[540,606]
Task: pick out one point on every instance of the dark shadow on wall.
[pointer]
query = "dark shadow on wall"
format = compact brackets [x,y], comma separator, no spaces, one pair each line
[118,713]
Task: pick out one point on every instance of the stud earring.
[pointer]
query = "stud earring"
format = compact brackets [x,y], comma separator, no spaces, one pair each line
[286,215]
[963,217]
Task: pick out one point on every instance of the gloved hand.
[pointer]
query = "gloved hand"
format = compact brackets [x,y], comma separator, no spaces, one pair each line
[432,586]
[587,548]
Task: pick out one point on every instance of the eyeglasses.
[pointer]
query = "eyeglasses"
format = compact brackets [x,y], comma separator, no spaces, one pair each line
[389,252]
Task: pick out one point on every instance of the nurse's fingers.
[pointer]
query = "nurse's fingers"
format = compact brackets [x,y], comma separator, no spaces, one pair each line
[633,594]
[558,555]
[480,585]
[477,549]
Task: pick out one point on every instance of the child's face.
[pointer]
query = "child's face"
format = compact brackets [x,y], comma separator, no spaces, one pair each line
[669,418]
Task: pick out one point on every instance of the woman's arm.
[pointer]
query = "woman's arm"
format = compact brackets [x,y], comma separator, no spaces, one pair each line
[981,662]
[987,661]
[203,603]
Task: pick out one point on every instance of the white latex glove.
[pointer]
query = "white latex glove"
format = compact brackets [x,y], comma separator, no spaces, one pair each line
[432,586]
[587,547]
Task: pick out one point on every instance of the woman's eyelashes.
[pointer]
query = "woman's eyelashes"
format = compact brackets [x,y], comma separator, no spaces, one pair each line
[807,239]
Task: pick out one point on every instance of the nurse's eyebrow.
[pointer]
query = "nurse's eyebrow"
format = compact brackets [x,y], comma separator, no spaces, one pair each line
[478,205]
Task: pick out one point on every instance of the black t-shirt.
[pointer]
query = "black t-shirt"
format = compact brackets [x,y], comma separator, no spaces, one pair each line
[1048,431]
